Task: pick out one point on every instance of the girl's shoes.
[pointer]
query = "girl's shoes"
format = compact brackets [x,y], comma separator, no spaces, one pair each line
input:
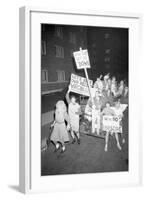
[57,147]
[105,148]
[123,141]
[63,149]
[79,141]
[119,147]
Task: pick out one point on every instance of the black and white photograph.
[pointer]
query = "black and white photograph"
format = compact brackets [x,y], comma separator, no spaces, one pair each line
[84,99]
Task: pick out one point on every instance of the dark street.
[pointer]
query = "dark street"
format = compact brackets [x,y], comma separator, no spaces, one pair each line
[88,157]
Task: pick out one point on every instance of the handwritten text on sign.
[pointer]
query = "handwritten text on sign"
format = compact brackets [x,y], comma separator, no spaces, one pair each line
[82,59]
[112,124]
[79,85]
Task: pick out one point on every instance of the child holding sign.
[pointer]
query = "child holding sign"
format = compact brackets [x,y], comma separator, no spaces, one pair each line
[119,110]
[74,112]
[108,111]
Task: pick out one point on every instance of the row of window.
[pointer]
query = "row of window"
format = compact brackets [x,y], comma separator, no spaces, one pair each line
[60,76]
[59,33]
[106,36]
[59,50]
[72,35]
[107,55]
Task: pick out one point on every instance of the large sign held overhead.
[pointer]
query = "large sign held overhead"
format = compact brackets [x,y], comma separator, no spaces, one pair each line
[112,124]
[79,85]
[82,59]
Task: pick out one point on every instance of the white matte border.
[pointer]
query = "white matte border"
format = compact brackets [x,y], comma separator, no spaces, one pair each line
[83,181]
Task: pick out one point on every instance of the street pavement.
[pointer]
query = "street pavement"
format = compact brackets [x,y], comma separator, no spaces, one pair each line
[88,157]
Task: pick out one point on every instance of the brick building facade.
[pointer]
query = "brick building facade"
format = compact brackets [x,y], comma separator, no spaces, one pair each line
[107,47]
[57,62]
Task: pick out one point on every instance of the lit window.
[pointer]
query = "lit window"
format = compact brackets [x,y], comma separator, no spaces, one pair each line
[93,45]
[107,59]
[58,31]
[43,47]
[106,36]
[72,38]
[59,51]
[44,75]
[82,43]
[107,51]
[107,66]
[61,76]
[81,28]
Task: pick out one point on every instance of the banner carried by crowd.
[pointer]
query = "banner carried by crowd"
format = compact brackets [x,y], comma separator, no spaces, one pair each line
[79,85]
[105,93]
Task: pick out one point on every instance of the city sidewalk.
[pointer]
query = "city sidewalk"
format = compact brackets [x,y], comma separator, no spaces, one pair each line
[46,120]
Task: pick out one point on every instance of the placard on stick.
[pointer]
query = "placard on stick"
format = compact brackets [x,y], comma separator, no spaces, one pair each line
[79,85]
[82,59]
[112,124]
[82,62]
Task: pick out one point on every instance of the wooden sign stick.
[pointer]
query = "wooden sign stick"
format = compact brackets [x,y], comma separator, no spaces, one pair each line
[87,78]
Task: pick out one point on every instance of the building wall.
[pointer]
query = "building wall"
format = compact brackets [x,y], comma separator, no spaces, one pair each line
[70,39]
[108,51]
[107,47]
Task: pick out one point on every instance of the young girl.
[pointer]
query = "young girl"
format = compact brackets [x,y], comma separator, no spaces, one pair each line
[60,134]
[74,112]
[108,111]
[95,103]
[125,91]
[119,109]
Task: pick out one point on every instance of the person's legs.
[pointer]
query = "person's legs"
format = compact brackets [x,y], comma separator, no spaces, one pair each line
[123,138]
[63,147]
[73,136]
[93,121]
[117,139]
[78,137]
[57,145]
[106,141]
[97,131]
[98,123]
[93,126]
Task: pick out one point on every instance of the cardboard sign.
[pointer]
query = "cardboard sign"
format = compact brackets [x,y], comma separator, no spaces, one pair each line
[82,59]
[112,124]
[79,85]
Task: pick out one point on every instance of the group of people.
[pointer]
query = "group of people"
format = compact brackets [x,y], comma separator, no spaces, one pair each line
[110,98]
[66,120]
[107,98]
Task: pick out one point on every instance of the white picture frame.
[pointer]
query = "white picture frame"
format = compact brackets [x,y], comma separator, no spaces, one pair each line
[30,92]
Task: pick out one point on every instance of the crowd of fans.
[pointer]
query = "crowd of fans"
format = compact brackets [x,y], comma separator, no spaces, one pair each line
[106,89]
[108,97]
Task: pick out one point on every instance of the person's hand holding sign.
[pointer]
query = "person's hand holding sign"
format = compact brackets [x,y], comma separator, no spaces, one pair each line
[69,88]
